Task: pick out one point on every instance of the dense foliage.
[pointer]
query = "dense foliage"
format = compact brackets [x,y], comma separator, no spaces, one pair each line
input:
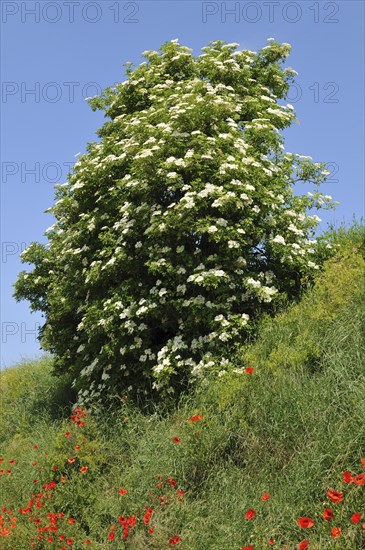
[269,458]
[178,228]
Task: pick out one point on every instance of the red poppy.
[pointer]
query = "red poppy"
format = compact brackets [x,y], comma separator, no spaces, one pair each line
[71,521]
[71,459]
[69,542]
[335,496]
[347,477]
[111,536]
[54,468]
[356,518]
[150,531]
[176,439]
[175,540]
[303,545]
[249,370]
[84,469]
[132,521]
[87,541]
[180,493]
[359,480]
[67,434]
[327,514]
[250,514]
[123,491]
[147,516]
[196,418]
[265,496]
[77,447]
[171,482]
[363,462]
[248,547]
[336,532]
[11,461]
[271,541]
[306,523]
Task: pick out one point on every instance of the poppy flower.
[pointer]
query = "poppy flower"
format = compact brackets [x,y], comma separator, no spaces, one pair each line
[265,496]
[132,521]
[77,447]
[196,418]
[335,496]
[71,521]
[67,434]
[111,536]
[180,493]
[363,462]
[84,469]
[250,514]
[87,541]
[248,547]
[175,540]
[303,545]
[150,531]
[347,477]
[176,439]
[359,480]
[327,514]
[356,518]
[271,541]
[336,532]
[71,459]
[305,523]
[69,542]
[147,516]
[123,491]
[249,370]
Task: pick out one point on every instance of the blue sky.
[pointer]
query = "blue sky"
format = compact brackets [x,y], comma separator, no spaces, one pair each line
[54,54]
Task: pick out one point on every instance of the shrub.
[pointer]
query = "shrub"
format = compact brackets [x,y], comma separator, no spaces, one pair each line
[180,227]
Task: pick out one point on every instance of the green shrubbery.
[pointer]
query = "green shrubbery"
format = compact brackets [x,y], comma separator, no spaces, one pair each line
[290,428]
[180,227]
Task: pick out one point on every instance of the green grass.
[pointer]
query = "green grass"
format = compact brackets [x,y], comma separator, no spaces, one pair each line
[290,429]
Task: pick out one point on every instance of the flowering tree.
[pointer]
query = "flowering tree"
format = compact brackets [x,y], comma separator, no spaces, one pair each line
[180,226]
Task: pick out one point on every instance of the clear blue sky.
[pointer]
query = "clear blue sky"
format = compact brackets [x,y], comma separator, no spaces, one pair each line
[65,51]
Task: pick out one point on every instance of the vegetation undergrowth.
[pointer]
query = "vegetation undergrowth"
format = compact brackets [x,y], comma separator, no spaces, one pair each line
[269,455]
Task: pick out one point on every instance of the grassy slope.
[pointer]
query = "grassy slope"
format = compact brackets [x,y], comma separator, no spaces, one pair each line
[291,428]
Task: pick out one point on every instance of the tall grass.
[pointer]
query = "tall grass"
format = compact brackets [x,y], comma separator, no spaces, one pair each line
[290,429]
